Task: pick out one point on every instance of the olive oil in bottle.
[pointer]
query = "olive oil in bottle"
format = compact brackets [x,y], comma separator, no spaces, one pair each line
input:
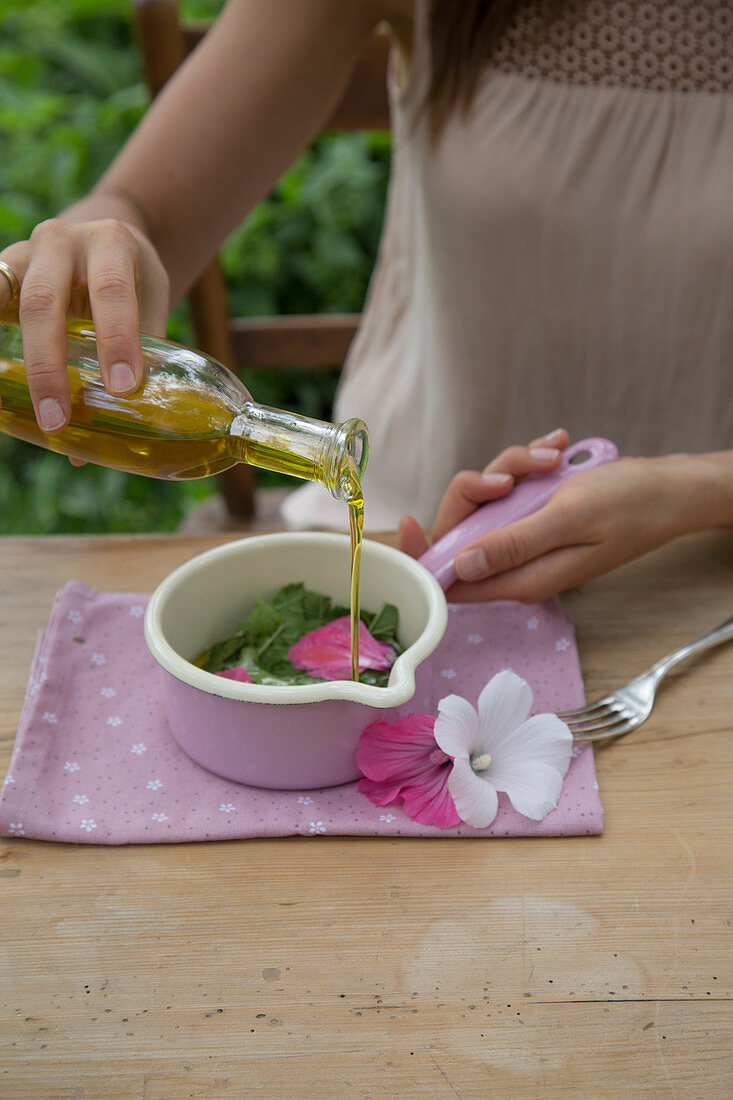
[191,418]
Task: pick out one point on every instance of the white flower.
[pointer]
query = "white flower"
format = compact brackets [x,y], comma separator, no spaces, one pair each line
[317,827]
[115,720]
[108,693]
[533,623]
[562,644]
[154,784]
[501,749]
[74,616]
[138,748]
[227,808]
[305,799]
[88,824]
[159,817]
[98,659]
[386,817]
[475,639]
[80,799]
[50,718]
[71,766]
[136,610]
[15,828]
[449,673]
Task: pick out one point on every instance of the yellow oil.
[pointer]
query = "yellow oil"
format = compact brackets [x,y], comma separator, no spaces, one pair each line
[356,524]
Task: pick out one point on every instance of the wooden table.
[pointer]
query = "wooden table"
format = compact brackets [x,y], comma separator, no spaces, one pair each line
[344,967]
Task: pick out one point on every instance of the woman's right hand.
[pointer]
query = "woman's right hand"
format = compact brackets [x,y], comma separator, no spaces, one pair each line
[105,269]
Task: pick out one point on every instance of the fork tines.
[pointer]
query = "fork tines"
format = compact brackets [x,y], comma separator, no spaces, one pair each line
[605,718]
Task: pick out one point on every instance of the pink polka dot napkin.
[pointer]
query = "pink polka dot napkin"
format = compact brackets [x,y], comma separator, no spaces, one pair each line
[94,761]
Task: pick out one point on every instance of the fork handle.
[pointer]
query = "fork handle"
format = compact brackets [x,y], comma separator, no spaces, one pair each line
[723,632]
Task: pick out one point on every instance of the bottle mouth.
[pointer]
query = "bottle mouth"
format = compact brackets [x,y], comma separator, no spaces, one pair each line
[352,444]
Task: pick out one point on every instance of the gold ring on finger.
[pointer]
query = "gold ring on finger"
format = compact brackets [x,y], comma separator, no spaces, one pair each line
[13,280]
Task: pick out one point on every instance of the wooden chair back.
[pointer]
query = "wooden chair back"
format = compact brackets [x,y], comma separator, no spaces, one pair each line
[309,341]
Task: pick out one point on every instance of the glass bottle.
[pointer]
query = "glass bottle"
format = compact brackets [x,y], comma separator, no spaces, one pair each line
[191,418]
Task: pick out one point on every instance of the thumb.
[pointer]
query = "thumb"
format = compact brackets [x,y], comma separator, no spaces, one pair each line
[412,539]
[514,545]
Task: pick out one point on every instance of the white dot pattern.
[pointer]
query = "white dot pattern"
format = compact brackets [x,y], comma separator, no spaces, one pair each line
[84,779]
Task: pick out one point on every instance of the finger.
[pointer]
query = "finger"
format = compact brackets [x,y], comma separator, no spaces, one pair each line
[111,273]
[466,491]
[412,539]
[16,257]
[540,579]
[558,438]
[471,488]
[520,461]
[77,461]
[514,545]
[44,295]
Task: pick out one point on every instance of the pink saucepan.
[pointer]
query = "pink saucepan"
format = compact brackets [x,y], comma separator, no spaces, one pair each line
[301,737]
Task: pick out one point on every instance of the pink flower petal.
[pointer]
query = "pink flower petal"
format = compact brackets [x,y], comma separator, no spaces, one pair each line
[402,762]
[426,799]
[326,652]
[397,750]
[381,794]
[430,802]
[238,673]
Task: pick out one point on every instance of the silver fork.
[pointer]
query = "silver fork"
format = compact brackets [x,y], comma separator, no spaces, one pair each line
[622,710]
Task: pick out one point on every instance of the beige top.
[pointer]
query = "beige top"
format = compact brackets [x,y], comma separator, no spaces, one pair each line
[563,257]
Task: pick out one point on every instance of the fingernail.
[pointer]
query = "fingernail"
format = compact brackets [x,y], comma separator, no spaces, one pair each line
[50,414]
[497,479]
[554,434]
[121,378]
[472,565]
[544,454]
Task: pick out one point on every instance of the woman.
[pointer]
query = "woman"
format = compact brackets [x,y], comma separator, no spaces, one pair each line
[558,246]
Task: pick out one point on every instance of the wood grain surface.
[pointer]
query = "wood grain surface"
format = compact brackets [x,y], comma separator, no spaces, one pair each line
[396,968]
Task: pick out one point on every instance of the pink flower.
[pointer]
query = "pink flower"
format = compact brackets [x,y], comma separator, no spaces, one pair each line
[239,673]
[402,762]
[326,652]
[450,769]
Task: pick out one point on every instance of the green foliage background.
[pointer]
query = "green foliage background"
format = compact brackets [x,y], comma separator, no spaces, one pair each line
[71,91]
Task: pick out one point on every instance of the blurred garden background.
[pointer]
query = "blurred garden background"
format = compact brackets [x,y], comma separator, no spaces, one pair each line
[71,91]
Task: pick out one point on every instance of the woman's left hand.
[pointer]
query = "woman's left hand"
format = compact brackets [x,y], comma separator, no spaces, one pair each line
[596,520]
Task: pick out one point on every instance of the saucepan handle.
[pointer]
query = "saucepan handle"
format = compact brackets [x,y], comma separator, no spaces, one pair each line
[527,496]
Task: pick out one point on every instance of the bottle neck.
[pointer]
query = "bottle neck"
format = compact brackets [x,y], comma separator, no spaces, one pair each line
[273,439]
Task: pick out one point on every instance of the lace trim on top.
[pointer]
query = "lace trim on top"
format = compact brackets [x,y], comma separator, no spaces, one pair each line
[684,45]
